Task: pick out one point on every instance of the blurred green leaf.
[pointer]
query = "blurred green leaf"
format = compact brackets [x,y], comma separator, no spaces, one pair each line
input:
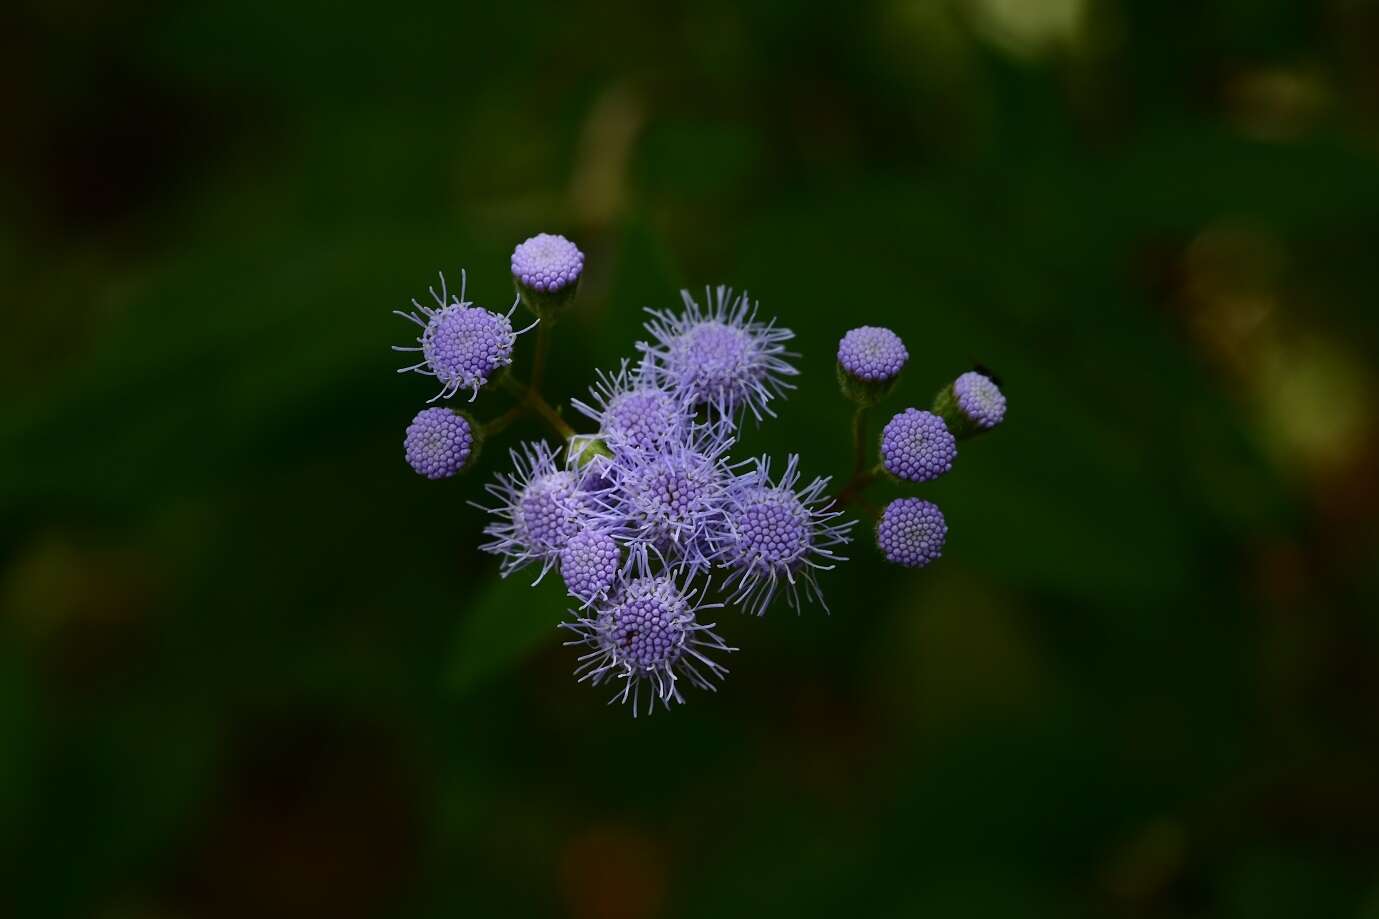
[510,621]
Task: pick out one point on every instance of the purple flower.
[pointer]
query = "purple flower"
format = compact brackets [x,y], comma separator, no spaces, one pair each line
[669,506]
[778,537]
[979,399]
[872,354]
[541,507]
[439,443]
[547,263]
[917,446]
[589,564]
[648,633]
[634,414]
[911,532]
[462,344]
[720,356]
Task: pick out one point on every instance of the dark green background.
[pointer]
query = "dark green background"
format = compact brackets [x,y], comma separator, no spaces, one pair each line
[250,665]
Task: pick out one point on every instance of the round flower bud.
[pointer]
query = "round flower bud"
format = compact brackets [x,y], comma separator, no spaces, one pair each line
[870,359]
[589,565]
[917,446]
[911,532]
[971,404]
[546,269]
[872,353]
[439,443]
[980,399]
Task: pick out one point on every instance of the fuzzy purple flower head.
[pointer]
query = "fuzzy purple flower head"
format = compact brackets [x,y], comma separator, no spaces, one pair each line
[720,355]
[670,506]
[916,446]
[634,414]
[439,443]
[980,399]
[541,507]
[589,564]
[779,537]
[911,532]
[872,354]
[648,635]
[462,345]
[547,263]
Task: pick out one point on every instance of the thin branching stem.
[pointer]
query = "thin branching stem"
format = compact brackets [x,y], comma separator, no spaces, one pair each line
[861,475]
[531,401]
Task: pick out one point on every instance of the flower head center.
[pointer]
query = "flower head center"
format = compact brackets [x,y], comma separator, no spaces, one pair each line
[641,418]
[667,496]
[548,512]
[648,630]
[715,360]
[773,528]
[465,344]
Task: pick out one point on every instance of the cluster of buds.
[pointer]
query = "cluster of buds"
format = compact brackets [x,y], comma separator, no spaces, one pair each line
[915,445]
[647,518]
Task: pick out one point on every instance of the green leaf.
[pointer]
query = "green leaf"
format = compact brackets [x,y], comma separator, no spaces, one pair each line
[509,622]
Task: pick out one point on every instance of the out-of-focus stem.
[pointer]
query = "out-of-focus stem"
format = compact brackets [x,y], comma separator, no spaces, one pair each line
[500,424]
[861,476]
[543,345]
[859,440]
[550,416]
[529,400]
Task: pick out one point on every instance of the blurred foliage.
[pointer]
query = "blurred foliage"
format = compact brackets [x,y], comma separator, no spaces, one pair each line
[251,665]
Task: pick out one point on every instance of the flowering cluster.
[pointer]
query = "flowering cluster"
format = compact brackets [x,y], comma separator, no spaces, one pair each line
[647,518]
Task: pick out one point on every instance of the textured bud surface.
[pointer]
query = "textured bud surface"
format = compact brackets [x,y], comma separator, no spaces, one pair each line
[549,511]
[438,443]
[980,399]
[643,418]
[917,446]
[589,565]
[547,263]
[872,354]
[771,526]
[911,532]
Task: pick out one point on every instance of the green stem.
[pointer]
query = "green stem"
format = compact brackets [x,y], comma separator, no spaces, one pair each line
[550,416]
[859,440]
[500,424]
[543,346]
[861,475]
[529,400]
